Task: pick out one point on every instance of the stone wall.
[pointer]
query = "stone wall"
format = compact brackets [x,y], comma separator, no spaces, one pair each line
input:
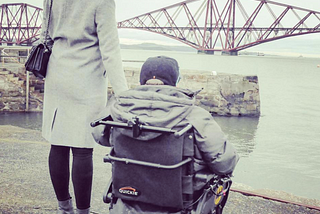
[13,90]
[14,54]
[12,98]
[221,94]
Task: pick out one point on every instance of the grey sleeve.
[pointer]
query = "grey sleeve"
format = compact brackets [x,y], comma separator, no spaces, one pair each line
[43,38]
[219,155]
[109,45]
[101,133]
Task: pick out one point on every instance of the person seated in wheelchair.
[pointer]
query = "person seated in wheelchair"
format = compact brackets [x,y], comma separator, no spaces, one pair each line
[158,102]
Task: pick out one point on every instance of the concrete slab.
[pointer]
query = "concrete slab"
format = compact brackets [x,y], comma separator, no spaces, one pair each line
[25,185]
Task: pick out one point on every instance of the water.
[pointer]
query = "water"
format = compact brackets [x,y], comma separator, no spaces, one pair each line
[279,150]
[31,120]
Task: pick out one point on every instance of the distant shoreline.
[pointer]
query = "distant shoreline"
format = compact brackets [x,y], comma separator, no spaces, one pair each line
[154,46]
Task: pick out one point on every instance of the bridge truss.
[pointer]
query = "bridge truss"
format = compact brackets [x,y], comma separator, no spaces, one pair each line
[206,25]
[227,25]
[19,24]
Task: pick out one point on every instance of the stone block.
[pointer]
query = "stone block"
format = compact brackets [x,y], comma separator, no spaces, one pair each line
[251,107]
[129,73]
[212,92]
[215,110]
[243,111]
[251,78]
[15,106]
[234,111]
[9,76]
[14,94]
[4,72]
[208,103]
[33,106]
[2,105]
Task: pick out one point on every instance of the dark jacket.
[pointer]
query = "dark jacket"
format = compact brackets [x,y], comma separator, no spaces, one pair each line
[167,106]
[171,107]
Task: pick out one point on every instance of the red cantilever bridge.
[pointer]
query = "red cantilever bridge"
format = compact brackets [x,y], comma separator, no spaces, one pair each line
[206,25]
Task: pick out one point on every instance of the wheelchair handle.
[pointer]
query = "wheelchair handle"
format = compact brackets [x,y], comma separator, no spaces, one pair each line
[95,123]
[182,131]
[142,127]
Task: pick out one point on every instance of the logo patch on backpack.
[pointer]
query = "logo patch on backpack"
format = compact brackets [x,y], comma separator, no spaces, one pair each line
[129,191]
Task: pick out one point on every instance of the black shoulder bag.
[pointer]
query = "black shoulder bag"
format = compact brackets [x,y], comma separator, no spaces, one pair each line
[38,59]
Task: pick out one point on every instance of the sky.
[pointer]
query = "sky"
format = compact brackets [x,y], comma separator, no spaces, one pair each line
[125,9]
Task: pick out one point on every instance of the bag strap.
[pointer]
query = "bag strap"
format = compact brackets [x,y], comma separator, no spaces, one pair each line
[47,31]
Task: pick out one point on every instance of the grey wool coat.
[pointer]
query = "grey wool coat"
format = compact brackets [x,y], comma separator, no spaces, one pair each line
[85,55]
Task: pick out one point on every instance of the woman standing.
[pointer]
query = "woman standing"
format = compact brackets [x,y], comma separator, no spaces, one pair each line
[85,54]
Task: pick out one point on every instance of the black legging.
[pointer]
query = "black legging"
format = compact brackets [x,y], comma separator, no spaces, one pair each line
[82,170]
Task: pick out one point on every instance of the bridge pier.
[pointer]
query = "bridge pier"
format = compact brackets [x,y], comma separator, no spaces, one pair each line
[229,53]
[224,53]
[210,52]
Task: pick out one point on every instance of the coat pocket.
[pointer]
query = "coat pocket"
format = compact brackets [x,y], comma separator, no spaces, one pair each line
[53,119]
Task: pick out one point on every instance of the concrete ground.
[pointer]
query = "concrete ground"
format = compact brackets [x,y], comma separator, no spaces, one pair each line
[25,186]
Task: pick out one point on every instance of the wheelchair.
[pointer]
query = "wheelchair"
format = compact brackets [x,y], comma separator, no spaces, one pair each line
[160,171]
